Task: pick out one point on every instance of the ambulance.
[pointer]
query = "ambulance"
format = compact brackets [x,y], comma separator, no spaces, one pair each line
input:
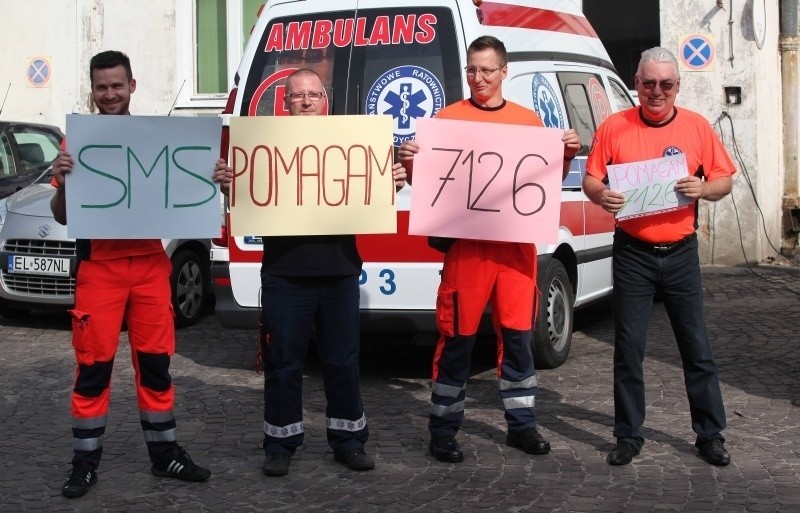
[406,58]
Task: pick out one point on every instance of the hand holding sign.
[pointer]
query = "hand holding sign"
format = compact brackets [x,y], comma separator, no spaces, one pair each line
[506,187]
[649,185]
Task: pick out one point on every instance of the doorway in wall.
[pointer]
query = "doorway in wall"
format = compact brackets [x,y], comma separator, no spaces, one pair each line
[626,28]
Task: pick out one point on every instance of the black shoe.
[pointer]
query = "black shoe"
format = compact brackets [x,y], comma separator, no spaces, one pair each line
[528,440]
[81,478]
[445,448]
[713,451]
[276,464]
[622,453]
[180,466]
[356,459]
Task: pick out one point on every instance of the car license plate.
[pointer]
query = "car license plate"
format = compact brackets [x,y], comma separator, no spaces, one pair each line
[49,266]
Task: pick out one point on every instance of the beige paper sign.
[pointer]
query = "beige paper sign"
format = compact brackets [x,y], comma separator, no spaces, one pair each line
[312,175]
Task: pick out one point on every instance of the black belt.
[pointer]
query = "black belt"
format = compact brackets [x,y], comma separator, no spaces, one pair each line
[655,249]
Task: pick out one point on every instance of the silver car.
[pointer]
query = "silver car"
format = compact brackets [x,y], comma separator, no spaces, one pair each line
[37,260]
[26,150]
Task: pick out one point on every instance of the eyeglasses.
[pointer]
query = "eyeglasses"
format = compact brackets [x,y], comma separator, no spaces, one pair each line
[485,72]
[298,97]
[665,85]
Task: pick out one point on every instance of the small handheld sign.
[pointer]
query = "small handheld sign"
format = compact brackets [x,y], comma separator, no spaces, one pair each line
[649,185]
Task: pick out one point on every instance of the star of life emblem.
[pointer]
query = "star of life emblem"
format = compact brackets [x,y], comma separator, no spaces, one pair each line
[406,93]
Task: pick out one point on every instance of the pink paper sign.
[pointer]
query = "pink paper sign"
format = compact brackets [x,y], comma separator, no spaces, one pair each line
[487,181]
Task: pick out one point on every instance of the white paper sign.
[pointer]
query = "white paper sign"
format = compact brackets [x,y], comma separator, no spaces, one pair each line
[649,185]
[142,177]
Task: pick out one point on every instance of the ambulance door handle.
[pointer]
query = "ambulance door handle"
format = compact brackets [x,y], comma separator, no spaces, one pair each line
[358,98]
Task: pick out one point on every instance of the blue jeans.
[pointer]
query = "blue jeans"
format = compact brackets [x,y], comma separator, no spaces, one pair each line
[638,275]
[291,308]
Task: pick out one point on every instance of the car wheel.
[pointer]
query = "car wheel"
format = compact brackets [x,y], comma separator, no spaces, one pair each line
[552,335]
[188,282]
[10,312]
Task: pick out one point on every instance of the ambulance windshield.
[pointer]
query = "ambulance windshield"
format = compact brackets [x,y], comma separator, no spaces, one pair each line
[402,62]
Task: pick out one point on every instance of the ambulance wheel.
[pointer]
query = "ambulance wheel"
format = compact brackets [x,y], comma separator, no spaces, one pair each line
[10,312]
[552,333]
[188,282]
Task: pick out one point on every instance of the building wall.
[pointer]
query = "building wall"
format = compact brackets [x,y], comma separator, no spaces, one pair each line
[67,33]
[751,131]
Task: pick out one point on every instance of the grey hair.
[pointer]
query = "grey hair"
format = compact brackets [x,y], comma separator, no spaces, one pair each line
[658,54]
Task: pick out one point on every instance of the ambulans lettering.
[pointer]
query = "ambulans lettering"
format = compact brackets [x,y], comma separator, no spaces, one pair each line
[161,168]
[406,93]
[491,164]
[341,32]
[545,102]
[332,175]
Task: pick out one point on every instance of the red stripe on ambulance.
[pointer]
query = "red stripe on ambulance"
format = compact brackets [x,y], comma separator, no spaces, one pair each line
[507,15]
[402,247]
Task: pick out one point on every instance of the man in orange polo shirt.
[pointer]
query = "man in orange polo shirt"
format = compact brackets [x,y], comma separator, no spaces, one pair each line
[476,272]
[120,279]
[658,253]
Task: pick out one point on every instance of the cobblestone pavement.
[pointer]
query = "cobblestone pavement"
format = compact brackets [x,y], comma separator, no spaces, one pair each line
[754,322]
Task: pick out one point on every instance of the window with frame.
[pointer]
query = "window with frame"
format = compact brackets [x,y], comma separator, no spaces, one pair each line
[220,32]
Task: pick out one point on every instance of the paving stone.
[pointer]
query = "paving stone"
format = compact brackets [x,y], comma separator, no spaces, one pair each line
[753,321]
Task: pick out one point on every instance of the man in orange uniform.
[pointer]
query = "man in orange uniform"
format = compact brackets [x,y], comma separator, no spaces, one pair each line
[119,279]
[476,272]
[658,253]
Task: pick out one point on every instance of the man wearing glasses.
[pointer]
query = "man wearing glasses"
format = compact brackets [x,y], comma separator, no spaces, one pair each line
[476,272]
[658,253]
[307,282]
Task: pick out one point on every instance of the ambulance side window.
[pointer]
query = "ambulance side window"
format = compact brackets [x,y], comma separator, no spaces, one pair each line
[621,98]
[587,104]
[580,115]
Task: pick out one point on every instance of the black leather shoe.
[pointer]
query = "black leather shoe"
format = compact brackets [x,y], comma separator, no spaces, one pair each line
[356,459]
[445,448]
[713,451]
[528,440]
[276,464]
[622,454]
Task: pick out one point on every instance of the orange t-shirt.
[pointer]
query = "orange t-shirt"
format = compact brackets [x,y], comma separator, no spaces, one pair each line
[626,137]
[109,249]
[509,112]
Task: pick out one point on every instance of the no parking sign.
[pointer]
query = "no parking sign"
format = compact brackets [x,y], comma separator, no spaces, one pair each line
[697,53]
[38,72]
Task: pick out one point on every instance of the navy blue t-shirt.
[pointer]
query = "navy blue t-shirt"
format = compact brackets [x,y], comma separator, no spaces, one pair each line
[311,255]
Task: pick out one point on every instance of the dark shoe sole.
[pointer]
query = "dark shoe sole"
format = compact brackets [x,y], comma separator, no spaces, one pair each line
[353,466]
[275,471]
[619,462]
[447,458]
[75,493]
[173,475]
[538,451]
[716,463]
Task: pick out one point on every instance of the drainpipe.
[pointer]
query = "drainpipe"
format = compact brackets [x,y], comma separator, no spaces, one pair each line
[789,44]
